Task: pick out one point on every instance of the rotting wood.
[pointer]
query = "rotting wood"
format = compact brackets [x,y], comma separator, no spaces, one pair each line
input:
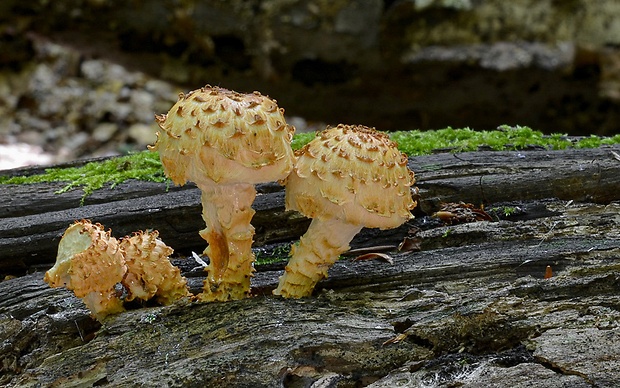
[472,306]
[467,305]
[34,218]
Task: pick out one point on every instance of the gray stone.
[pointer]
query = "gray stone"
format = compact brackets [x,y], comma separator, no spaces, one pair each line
[142,133]
[104,132]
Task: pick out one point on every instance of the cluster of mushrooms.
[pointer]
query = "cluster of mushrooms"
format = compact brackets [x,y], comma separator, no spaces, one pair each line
[347,178]
[106,273]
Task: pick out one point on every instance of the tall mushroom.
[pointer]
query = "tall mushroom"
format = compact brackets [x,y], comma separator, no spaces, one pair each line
[225,142]
[347,178]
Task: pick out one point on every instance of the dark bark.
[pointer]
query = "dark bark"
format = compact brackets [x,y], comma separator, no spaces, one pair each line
[34,217]
[472,308]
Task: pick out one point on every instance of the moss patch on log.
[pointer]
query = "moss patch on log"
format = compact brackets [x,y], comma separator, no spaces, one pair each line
[147,166]
[94,175]
[415,143]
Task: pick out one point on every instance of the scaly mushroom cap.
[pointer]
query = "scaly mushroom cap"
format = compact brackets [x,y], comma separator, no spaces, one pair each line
[90,263]
[352,173]
[149,271]
[225,136]
[88,259]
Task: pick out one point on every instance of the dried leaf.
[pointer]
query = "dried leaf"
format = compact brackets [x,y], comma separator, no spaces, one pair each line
[396,339]
[410,244]
[375,256]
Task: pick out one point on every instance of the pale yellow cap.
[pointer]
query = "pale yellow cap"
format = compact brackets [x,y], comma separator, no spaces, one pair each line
[217,135]
[355,174]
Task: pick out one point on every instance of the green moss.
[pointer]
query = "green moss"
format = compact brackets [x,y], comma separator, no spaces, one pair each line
[507,211]
[94,175]
[415,143]
[301,139]
[275,254]
[146,165]
[595,141]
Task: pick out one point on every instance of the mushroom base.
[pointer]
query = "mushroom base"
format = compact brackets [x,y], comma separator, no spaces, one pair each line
[102,304]
[227,211]
[318,249]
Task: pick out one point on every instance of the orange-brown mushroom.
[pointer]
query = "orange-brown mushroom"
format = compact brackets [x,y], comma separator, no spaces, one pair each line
[225,142]
[347,178]
[99,268]
[149,271]
[90,262]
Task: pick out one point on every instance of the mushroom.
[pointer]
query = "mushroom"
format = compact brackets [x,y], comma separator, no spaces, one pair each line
[347,178]
[90,262]
[149,271]
[225,142]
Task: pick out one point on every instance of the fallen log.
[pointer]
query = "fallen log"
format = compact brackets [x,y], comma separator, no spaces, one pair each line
[33,217]
[483,306]
[530,298]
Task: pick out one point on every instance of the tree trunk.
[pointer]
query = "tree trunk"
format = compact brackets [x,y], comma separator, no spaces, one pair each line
[474,305]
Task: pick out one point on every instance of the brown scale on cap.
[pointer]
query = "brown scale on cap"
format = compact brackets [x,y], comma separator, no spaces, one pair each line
[347,178]
[225,142]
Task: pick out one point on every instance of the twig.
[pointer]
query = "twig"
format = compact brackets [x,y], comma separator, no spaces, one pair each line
[79,331]
[548,233]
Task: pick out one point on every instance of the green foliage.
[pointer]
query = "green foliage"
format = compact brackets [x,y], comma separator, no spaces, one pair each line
[146,165]
[301,139]
[594,141]
[94,175]
[415,143]
[507,211]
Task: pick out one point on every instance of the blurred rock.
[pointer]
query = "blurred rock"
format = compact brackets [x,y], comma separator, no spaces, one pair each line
[21,154]
[73,108]
[143,134]
[104,132]
[610,73]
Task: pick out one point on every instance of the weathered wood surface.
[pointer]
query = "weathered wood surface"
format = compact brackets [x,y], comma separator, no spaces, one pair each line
[33,217]
[471,309]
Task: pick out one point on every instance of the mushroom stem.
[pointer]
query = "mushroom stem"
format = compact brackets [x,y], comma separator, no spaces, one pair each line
[102,304]
[318,249]
[227,211]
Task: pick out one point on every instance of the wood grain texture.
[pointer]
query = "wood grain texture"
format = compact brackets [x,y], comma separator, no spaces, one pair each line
[34,217]
[473,306]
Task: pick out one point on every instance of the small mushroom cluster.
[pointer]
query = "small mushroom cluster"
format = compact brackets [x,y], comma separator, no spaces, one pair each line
[347,178]
[100,269]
